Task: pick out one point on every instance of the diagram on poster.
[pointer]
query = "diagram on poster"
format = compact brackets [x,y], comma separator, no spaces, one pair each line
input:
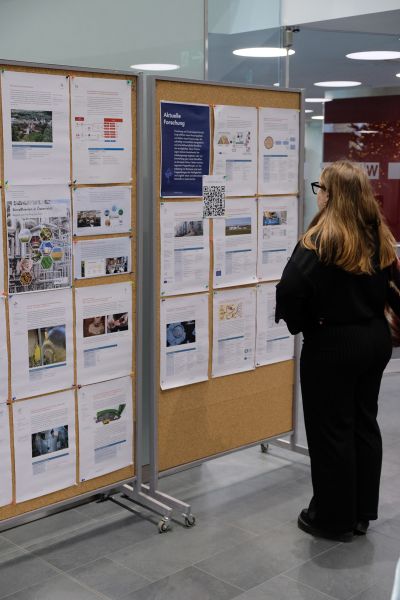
[278,139]
[184,340]
[35,128]
[38,238]
[274,342]
[44,445]
[235,244]
[234,331]
[41,343]
[103,332]
[3,353]
[100,210]
[102,257]
[105,427]
[185,248]
[101,118]
[5,457]
[235,148]
[185,148]
[277,235]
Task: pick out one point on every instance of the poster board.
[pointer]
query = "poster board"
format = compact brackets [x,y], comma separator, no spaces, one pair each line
[221,414]
[121,475]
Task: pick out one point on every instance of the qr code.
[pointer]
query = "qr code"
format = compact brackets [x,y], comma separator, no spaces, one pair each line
[213,201]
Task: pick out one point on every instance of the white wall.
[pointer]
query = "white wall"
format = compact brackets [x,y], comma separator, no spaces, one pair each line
[295,12]
[105,34]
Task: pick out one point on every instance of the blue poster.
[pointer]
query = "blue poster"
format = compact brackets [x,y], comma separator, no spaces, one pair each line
[185,148]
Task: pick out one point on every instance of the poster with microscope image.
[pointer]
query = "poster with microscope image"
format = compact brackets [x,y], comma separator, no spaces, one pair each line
[38,238]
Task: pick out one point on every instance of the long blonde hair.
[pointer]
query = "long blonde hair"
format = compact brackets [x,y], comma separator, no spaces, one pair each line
[342,233]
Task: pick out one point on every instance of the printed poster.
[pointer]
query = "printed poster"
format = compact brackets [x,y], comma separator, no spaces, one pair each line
[274,342]
[102,210]
[5,457]
[102,257]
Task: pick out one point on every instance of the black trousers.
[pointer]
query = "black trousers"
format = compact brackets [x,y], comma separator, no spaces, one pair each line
[341,370]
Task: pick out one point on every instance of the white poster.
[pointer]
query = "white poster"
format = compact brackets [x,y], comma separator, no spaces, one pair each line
[105,427]
[41,343]
[274,343]
[185,248]
[102,257]
[278,153]
[234,331]
[277,235]
[103,332]
[35,128]
[3,353]
[235,148]
[235,244]
[5,457]
[44,445]
[99,210]
[38,237]
[101,130]
[184,340]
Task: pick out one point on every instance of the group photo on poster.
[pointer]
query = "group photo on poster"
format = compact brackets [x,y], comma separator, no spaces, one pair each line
[38,238]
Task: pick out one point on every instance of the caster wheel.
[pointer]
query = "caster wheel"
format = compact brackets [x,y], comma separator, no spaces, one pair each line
[163,526]
[264,448]
[190,521]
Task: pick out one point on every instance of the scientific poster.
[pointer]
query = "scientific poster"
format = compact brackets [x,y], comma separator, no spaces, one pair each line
[277,235]
[185,248]
[35,128]
[235,244]
[101,130]
[234,331]
[102,257]
[183,340]
[3,353]
[278,153]
[105,427]
[274,343]
[99,210]
[235,148]
[185,148]
[41,343]
[5,457]
[44,445]
[38,238]
[103,332]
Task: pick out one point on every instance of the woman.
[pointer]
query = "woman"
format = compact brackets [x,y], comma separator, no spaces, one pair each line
[334,290]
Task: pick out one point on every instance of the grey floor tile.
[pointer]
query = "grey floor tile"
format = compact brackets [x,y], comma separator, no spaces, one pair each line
[376,592]
[19,570]
[94,541]
[101,509]
[57,588]
[6,546]
[44,529]
[189,584]
[390,527]
[163,555]
[109,578]
[252,563]
[282,588]
[349,569]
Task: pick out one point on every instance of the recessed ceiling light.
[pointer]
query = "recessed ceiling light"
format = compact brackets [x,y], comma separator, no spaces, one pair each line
[337,83]
[308,110]
[318,117]
[397,74]
[277,84]
[318,99]
[374,55]
[155,67]
[262,52]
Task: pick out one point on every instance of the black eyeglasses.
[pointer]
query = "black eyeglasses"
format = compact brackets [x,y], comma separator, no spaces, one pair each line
[315,186]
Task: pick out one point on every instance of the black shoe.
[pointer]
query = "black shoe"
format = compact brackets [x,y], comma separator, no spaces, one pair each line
[306,524]
[360,528]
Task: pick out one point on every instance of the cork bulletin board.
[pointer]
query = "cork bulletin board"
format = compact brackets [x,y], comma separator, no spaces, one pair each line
[221,414]
[14,509]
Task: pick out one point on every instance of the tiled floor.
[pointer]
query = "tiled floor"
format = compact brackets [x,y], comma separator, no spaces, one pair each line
[246,544]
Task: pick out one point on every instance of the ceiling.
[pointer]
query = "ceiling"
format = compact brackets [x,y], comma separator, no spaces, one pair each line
[320,49]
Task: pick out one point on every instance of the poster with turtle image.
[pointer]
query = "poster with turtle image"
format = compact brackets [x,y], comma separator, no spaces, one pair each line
[38,238]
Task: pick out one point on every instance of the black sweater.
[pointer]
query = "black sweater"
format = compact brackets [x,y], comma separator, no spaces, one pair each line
[311,294]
